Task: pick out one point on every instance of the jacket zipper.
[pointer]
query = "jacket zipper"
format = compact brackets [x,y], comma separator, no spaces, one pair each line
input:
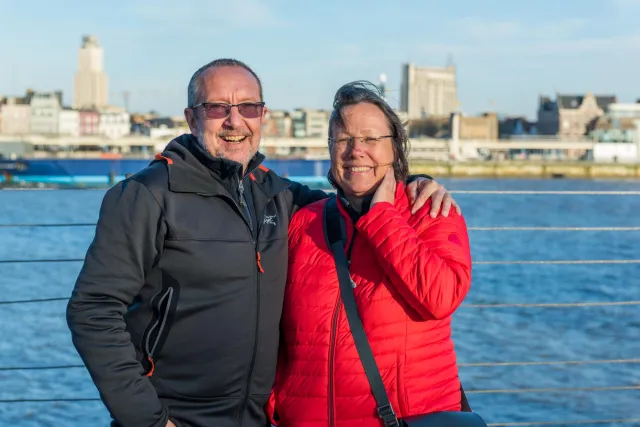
[332,356]
[257,324]
[244,205]
[248,222]
[159,323]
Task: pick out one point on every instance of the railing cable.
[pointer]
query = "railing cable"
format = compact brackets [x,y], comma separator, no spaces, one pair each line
[30,261]
[552,389]
[497,305]
[471,364]
[78,224]
[554,305]
[550,362]
[39,368]
[542,192]
[69,399]
[524,262]
[27,301]
[554,228]
[565,423]
[578,261]
[61,225]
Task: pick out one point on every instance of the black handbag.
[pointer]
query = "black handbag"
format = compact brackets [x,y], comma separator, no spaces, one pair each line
[335,234]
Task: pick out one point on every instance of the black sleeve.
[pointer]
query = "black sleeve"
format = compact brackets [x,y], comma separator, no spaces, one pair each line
[303,195]
[412,178]
[127,241]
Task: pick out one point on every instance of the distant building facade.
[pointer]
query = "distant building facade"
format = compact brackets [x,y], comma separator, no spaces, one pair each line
[277,123]
[89,122]
[309,123]
[514,127]
[428,92]
[114,123]
[69,122]
[45,109]
[624,111]
[90,90]
[620,124]
[16,116]
[430,127]
[571,116]
[483,127]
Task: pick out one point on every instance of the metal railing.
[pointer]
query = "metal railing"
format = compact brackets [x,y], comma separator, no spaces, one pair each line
[495,364]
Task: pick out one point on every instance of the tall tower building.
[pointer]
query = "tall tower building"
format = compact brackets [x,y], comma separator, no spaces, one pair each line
[91,80]
[428,91]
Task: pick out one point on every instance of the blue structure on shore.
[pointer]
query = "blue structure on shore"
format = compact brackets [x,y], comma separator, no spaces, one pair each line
[101,172]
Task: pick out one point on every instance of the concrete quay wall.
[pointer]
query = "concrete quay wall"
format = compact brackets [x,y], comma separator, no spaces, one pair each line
[511,169]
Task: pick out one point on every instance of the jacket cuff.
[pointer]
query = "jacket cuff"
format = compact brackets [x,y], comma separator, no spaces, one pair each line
[412,178]
[270,410]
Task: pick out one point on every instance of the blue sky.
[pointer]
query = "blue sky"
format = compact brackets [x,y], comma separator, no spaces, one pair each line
[507,53]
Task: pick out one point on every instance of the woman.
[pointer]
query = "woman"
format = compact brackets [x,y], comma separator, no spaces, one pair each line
[411,272]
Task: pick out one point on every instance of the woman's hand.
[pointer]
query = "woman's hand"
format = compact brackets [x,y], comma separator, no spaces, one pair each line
[387,190]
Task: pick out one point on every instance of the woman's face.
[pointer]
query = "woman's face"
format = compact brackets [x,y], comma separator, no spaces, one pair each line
[361,150]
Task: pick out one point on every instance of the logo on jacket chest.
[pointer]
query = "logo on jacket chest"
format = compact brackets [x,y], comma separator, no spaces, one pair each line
[269,220]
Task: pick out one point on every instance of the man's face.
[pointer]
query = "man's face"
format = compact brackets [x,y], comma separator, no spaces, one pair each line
[234,136]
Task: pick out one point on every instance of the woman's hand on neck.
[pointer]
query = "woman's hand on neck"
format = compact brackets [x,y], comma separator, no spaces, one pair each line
[386,191]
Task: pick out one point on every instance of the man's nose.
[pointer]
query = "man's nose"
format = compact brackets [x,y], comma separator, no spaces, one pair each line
[235,119]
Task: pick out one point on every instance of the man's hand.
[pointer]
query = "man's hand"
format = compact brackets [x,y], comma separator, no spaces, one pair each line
[386,192]
[420,190]
[170,424]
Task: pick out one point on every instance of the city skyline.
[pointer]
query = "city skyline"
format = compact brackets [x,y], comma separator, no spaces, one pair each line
[506,57]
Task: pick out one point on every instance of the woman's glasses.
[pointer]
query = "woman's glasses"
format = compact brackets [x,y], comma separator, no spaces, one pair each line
[367,141]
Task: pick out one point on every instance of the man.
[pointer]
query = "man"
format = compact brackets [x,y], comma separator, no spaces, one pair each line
[176,310]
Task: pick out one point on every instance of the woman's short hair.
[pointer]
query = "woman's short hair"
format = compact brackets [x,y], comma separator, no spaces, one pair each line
[363,91]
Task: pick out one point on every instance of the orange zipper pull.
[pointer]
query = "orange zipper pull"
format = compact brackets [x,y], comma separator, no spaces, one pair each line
[153,366]
[258,261]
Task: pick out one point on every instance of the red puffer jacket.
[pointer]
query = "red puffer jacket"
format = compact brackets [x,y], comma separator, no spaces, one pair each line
[411,273]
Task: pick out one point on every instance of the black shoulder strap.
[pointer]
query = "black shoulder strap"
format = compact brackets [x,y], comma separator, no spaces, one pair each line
[335,234]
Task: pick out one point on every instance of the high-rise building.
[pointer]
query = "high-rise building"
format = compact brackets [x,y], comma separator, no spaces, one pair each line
[91,80]
[428,91]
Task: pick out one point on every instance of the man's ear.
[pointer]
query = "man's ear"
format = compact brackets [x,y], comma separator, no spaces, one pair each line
[192,120]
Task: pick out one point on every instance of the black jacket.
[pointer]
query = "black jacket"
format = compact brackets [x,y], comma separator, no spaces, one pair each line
[176,310]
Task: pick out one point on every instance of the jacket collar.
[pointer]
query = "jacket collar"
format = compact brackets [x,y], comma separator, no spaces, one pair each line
[355,211]
[268,181]
[192,169]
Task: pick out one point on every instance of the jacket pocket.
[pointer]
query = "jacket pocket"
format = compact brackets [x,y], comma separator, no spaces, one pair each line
[163,306]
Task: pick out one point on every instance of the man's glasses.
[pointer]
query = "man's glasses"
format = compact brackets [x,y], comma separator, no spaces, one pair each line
[220,110]
[367,141]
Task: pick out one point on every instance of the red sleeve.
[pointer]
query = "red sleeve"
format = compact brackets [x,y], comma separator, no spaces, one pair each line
[270,407]
[428,262]
[270,410]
